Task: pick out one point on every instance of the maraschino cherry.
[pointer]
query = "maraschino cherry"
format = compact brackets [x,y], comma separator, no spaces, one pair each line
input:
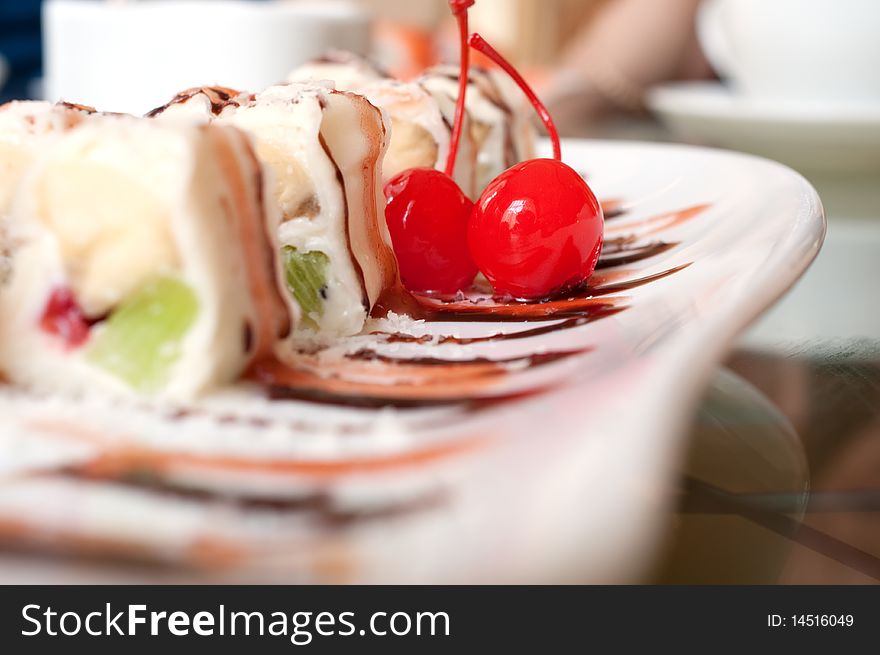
[427,212]
[537,229]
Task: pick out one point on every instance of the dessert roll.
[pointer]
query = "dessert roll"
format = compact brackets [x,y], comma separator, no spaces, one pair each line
[347,71]
[144,264]
[501,127]
[323,151]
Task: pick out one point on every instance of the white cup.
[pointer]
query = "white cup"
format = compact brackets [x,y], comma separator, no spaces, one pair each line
[796,50]
[132,56]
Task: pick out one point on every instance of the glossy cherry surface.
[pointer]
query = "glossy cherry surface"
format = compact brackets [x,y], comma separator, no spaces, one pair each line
[427,216]
[63,318]
[536,230]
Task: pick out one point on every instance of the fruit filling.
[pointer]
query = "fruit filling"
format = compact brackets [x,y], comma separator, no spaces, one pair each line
[141,340]
[306,274]
[63,318]
[294,188]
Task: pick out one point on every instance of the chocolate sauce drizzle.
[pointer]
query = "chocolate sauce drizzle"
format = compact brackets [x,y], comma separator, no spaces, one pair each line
[220,97]
[612,209]
[626,250]
[370,378]
[602,311]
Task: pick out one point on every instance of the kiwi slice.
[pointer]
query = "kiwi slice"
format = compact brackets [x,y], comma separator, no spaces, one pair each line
[140,341]
[306,274]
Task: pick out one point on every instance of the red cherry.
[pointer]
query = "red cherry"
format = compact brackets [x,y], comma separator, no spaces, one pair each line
[536,230]
[427,216]
[63,318]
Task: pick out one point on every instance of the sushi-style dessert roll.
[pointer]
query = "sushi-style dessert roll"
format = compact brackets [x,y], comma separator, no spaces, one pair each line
[322,150]
[500,128]
[144,264]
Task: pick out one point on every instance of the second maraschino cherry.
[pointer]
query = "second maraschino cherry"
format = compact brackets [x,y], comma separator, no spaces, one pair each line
[537,230]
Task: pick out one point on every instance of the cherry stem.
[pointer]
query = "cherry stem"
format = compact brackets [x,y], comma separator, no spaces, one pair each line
[460,9]
[478,43]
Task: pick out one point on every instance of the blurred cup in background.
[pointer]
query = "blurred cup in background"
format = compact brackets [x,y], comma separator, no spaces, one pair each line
[801,50]
[132,56]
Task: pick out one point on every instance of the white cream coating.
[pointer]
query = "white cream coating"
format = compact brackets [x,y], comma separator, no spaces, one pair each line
[175,170]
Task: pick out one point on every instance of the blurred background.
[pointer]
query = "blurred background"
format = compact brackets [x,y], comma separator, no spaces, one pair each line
[408,35]
[795,80]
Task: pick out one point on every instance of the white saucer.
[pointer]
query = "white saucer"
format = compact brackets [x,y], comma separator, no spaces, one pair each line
[811,137]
